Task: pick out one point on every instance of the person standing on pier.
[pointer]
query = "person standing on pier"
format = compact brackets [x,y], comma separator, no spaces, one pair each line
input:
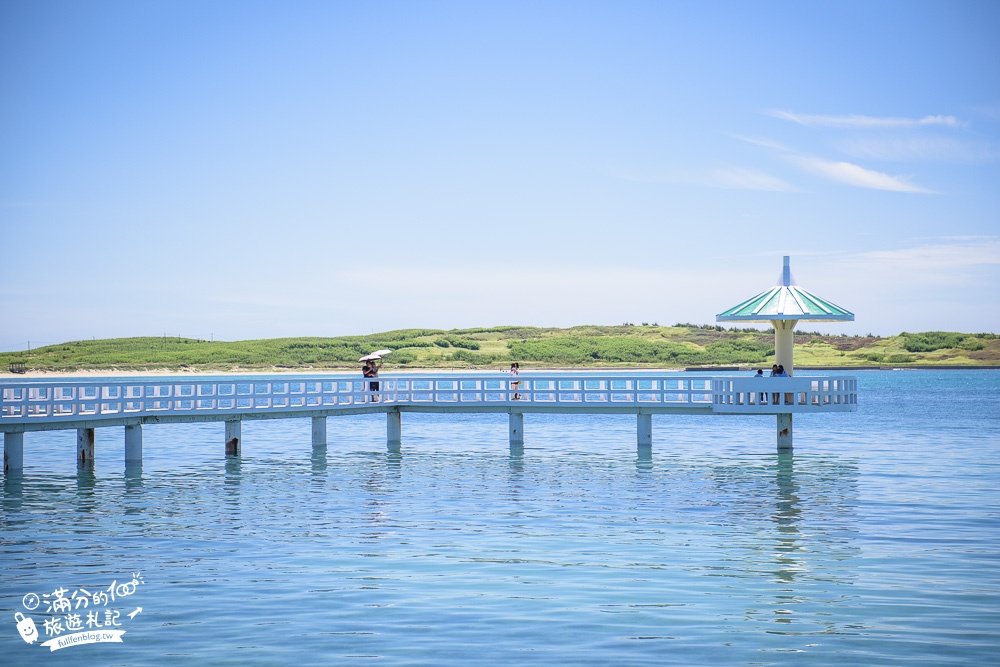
[515,382]
[774,374]
[370,370]
[763,395]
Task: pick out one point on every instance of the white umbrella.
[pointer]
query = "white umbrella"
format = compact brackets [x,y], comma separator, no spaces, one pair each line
[370,357]
[382,352]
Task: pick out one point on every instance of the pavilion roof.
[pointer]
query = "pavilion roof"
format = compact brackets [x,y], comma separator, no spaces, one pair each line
[786,302]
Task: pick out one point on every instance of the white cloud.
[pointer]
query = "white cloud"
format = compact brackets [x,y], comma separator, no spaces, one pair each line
[866,122]
[945,284]
[920,148]
[740,178]
[852,174]
[764,143]
[947,261]
[842,172]
[728,178]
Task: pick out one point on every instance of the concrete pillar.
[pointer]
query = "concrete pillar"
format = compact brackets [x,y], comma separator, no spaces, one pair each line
[319,431]
[784,344]
[393,430]
[133,443]
[84,447]
[784,431]
[13,453]
[233,431]
[644,430]
[516,424]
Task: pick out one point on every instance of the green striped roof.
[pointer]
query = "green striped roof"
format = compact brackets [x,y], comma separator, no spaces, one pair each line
[786,302]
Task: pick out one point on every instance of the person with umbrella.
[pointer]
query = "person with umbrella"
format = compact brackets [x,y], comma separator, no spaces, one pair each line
[373,362]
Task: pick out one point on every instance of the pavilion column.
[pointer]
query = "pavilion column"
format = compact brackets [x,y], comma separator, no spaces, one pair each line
[784,343]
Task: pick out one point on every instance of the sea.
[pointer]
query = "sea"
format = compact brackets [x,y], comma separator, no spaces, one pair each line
[876,541]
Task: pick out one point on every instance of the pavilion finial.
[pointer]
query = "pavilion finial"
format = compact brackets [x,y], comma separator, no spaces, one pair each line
[786,273]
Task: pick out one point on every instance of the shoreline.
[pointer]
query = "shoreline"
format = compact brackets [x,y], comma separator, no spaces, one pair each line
[111,372]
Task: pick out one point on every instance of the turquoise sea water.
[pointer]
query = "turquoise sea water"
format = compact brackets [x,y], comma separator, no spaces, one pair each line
[876,543]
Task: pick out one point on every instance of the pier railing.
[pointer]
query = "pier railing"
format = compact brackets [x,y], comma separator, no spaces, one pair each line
[26,403]
[799,394]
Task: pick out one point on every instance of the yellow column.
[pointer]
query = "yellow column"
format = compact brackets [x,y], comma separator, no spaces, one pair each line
[784,342]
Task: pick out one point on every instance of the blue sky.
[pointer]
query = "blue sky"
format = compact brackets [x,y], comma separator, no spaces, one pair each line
[243,170]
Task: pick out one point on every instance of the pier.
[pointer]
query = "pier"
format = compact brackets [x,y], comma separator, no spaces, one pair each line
[84,405]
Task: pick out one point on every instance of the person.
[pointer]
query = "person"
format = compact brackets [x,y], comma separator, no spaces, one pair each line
[515,383]
[774,374]
[763,395]
[370,370]
[783,374]
[366,370]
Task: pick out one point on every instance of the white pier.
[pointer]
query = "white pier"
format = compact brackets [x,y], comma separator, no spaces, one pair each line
[87,404]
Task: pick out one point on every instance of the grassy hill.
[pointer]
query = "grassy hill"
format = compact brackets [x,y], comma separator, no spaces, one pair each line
[678,346]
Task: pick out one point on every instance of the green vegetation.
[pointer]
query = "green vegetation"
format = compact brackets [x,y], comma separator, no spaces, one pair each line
[931,341]
[627,345]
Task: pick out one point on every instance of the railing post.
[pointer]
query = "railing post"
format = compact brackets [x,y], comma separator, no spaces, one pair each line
[233,431]
[393,430]
[516,428]
[133,444]
[784,420]
[319,431]
[13,452]
[84,447]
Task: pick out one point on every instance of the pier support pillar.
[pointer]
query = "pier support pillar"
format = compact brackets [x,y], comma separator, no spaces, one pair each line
[393,430]
[233,434]
[133,444]
[644,430]
[516,423]
[84,447]
[13,453]
[319,431]
[784,431]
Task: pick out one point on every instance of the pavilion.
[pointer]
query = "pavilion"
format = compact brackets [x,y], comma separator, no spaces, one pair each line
[784,305]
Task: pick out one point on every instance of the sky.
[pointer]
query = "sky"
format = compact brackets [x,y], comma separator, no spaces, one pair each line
[240,170]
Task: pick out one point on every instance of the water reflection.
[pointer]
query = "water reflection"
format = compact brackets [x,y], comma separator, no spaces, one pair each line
[318,459]
[13,491]
[786,516]
[133,475]
[793,519]
[515,472]
[644,459]
[232,480]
